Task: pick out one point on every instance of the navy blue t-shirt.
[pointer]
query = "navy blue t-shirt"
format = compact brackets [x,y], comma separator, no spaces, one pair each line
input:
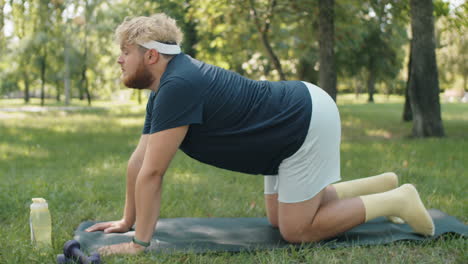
[235,123]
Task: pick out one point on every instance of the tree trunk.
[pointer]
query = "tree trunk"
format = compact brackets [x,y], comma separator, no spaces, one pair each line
[327,73]
[41,27]
[357,87]
[407,112]
[306,71]
[88,94]
[57,87]
[84,85]
[272,55]
[84,78]
[24,60]
[424,82]
[67,75]
[464,82]
[2,24]
[80,91]
[26,87]
[190,34]
[371,86]
[58,32]
[43,70]
[264,35]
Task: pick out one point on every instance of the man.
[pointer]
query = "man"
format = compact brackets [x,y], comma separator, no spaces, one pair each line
[288,131]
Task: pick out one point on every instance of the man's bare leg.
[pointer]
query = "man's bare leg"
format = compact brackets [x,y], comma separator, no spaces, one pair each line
[343,190]
[311,221]
[271,206]
[271,203]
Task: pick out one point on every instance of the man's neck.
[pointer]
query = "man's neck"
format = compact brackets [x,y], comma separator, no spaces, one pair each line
[158,72]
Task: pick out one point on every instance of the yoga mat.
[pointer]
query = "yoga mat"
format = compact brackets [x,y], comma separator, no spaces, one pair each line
[201,235]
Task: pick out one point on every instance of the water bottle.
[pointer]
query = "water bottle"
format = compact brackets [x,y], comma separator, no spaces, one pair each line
[40,223]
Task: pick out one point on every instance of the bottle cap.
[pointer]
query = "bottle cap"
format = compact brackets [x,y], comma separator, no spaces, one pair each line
[39,200]
[39,203]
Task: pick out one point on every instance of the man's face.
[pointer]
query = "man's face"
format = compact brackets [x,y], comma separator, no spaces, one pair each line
[135,74]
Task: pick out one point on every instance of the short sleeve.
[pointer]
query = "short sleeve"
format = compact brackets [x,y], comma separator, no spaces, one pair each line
[177,103]
[149,107]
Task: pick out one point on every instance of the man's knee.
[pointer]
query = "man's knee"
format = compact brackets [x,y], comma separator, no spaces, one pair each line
[292,234]
[271,204]
[298,233]
[134,163]
[273,221]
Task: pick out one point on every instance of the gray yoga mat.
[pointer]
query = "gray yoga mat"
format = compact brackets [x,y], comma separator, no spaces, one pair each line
[201,235]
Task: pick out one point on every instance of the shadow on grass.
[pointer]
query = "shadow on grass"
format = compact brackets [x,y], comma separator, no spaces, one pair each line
[78,159]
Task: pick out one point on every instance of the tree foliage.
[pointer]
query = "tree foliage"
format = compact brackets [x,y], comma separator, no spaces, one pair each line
[47,47]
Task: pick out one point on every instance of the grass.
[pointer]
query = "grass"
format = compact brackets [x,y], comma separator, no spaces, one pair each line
[77,161]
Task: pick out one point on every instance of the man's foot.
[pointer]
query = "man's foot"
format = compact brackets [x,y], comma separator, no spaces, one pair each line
[391,179]
[414,212]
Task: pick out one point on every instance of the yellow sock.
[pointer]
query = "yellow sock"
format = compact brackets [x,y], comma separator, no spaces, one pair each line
[374,184]
[403,202]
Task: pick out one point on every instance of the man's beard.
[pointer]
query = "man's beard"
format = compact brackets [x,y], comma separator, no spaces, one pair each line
[141,79]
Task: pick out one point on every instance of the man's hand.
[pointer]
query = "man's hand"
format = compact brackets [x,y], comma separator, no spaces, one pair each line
[110,227]
[124,248]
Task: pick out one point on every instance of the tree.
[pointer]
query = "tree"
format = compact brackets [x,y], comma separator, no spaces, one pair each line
[180,11]
[41,37]
[311,40]
[383,41]
[369,44]
[264,29]
[452,42]
[441,9]
[407,112]
[2,24]
[424,83]
[327,73]
[22,31]
[83,21]
[56,61]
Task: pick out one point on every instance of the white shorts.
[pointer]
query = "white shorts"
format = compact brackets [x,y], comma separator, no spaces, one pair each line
[316,164]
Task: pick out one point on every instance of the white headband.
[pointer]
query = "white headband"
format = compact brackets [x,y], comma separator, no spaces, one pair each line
[170,49]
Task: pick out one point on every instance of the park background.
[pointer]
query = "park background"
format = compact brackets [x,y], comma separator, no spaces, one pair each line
[68,126]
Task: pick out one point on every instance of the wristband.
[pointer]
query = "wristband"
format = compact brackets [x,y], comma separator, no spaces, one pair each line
[141,243]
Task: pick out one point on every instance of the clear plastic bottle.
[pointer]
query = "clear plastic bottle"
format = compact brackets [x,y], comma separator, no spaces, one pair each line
[40,222]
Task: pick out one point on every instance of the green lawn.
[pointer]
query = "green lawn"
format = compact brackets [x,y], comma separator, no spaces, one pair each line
[76,159]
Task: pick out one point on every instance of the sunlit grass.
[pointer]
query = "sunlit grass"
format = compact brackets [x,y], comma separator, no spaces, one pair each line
[363,98]
[77,160]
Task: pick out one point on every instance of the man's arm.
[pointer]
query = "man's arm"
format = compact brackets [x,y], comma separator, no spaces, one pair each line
[134,165]
[160,150]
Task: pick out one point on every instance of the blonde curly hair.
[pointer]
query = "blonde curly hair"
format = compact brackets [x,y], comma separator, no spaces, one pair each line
[139,30]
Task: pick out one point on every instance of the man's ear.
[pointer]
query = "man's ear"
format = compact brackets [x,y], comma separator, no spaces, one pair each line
[152,56]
